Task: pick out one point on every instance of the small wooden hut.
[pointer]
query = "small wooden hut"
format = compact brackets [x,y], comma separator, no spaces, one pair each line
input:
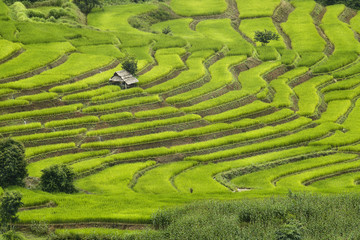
[124,79]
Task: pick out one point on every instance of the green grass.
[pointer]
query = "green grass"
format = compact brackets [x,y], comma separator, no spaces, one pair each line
[222,31]
[339,32]
[256,8]
[220,77]
[267,53]
[21,127]
[252,81]
[253,107]
[43,136]
[113,180]
[41,112]
[122,104]
[350,130]
[287,56]
[156,112]
[72,121]
[94,80]
[83,62]
[108,50]
[117,94]
[263,180]
[335,109]
[352,70]
[251,25]
[195,72]
[296,138]
[241,137]
[156,137]
[272,117]
[158,180]
[39,97]
[34,168]
[33,151]
[282,93]
[201,7]
[13,103]
[308,95]
[144,125]
[335,61]
[342,85]
[201,178]
[7,48]
[116,116]
[166,64]
[308,59]
[301,30]
[43,53]
[342,94]
[92,93]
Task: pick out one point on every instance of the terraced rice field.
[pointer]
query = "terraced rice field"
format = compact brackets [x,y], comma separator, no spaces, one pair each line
[214,116]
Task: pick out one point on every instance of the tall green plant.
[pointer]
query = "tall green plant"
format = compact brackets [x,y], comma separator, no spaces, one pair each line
[12,163]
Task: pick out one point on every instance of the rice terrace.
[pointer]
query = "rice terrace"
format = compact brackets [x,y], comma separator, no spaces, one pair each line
[210,113]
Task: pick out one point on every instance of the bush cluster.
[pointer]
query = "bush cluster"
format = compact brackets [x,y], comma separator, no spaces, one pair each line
[57,178]
[349,3]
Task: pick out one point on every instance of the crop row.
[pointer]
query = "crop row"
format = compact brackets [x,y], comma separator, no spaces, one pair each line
[122,104]
[72,121]
[33,151]
[156,136]
[296,138]
[220,77]
[143,125]
[41,112]
[201,177]
[43,136]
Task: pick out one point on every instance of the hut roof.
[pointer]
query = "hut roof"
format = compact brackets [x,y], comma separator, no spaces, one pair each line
[124,76]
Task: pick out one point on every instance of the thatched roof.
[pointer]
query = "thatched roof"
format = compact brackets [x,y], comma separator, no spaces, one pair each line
[123,76]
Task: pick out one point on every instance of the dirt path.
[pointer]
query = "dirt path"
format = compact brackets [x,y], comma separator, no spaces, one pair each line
[12,56]
[317,15]
[281,15]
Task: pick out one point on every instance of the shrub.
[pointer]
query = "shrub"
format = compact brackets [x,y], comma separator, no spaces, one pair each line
[57,13]
[10,204]
[12,235]
[166,30]
[39,227]
[130,65]
[33,13]
[57,178]
[12,163]
[265,36]
[290,231]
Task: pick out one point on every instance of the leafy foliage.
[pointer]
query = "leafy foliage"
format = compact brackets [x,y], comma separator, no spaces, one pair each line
[265,36]
[130,65]
[166,30]
[87,5]
[57,178]
[10,204]
[12,163]
[290,231]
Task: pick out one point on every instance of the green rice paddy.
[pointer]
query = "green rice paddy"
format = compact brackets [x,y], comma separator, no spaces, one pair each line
[214,116]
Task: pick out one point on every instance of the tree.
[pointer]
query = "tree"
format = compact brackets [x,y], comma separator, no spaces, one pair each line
[130,65]
[12,163]
[10,204]
[265,36]
[86,6]
[57,178]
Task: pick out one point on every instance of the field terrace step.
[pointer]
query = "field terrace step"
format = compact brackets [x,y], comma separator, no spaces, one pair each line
[202,177]
[270,177]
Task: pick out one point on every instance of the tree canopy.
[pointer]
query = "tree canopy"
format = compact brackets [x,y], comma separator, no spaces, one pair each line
[12,163]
